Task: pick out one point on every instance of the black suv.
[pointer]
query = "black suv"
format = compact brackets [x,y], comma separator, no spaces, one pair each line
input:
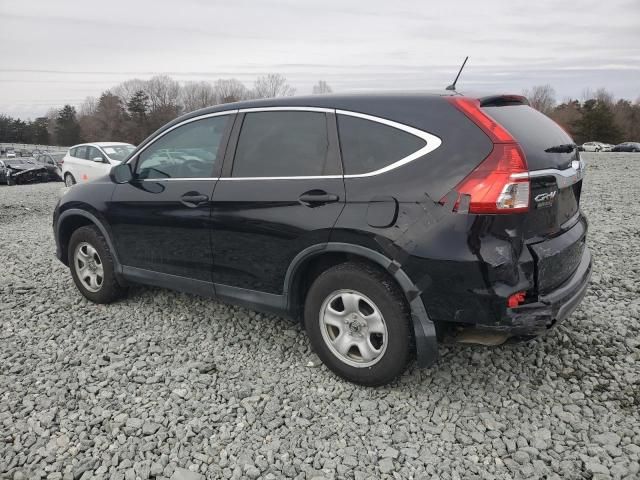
[383,222]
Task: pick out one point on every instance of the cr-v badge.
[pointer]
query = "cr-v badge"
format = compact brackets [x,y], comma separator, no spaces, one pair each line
[545,199]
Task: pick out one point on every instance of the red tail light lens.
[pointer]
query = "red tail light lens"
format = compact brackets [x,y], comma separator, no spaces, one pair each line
[516,299]
[500,184]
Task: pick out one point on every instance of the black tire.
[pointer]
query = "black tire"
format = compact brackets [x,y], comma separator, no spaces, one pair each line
[69,180]
[378,287]
[110,290]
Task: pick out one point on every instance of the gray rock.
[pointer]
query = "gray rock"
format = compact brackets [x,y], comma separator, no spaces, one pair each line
[608,438]
[184,474]
[386,465]
[149,428]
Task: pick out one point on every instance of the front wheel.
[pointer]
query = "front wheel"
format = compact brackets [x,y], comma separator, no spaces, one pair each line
[69,181]
[92,266]
[359,324]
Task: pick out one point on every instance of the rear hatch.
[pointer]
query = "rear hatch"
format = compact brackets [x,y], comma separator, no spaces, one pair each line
[553,227]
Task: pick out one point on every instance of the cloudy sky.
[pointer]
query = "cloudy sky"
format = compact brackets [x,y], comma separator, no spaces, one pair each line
[56,52]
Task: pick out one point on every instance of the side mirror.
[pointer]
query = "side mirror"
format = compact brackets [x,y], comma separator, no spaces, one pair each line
[121,173]
[98,159]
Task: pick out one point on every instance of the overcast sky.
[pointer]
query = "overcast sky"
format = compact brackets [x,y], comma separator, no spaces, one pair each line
[56,52]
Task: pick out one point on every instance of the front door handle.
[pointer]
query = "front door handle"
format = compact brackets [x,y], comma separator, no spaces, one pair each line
[314,198]
[193,200]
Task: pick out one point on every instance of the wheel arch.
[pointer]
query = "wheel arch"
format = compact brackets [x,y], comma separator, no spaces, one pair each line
[317,258]
[72,219]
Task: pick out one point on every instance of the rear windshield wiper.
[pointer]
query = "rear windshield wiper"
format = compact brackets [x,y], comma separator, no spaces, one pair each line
[565,148]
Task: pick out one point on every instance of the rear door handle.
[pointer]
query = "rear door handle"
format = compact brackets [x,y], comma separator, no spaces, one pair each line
[193,200]
[317,197]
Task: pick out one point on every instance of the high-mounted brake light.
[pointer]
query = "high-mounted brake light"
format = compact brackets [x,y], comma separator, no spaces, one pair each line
[500,184]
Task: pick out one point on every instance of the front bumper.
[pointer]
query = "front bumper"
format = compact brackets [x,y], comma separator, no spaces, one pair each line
[554,307]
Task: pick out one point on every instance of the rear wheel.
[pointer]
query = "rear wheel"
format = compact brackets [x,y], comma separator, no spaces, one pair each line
[92,266]
[358,323]
[69,181]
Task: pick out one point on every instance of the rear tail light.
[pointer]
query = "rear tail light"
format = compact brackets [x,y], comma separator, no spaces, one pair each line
[500,184]
[516,299]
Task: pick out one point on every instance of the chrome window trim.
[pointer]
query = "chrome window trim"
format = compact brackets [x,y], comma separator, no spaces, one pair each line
[285,109]
[184,122]
[432,142]
[564,178]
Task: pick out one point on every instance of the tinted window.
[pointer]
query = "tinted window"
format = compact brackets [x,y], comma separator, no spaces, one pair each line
[368,146]
[80,152]
[282,144]
[93,152]
[189,151]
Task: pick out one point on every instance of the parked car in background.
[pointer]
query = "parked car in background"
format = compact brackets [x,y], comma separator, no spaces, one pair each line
[11,153]
[593,147]
[382,222]
[88,161]
[627,147]
[53,163]
[16,171]
[607,147]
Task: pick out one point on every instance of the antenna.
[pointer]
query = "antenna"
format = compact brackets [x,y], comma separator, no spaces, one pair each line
[453,85]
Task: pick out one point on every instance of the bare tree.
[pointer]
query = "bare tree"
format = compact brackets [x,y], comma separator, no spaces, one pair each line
[321,87]
[230,90]
[163,92]
[273,85]
[88,106]
[604,96]
[128,89]
[195,95]
[542,98]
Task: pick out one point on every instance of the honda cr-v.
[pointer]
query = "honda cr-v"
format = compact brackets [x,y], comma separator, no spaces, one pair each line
[383,222]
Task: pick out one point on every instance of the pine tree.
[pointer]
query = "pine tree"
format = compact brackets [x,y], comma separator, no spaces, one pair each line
[67,126]
[597,123]
[138,108]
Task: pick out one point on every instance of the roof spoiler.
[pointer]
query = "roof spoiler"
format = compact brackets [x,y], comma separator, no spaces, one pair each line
[502,100]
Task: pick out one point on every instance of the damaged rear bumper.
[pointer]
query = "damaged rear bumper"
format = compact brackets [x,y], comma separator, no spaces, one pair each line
[537,318]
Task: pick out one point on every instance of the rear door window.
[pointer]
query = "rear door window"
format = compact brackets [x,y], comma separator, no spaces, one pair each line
[282,144]
[93,153]
[368,146]
[81,152]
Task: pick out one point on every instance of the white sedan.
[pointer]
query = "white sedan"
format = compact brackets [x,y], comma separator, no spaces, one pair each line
[88,161]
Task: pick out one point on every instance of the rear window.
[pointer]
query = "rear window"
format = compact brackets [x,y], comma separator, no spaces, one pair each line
[282,144]
[368,146]
[523,122]
[535,132]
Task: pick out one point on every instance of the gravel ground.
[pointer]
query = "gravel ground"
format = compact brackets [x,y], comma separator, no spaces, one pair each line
[167,385]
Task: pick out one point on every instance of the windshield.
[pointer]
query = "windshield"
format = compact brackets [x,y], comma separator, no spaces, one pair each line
[118,152]
[16,162]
